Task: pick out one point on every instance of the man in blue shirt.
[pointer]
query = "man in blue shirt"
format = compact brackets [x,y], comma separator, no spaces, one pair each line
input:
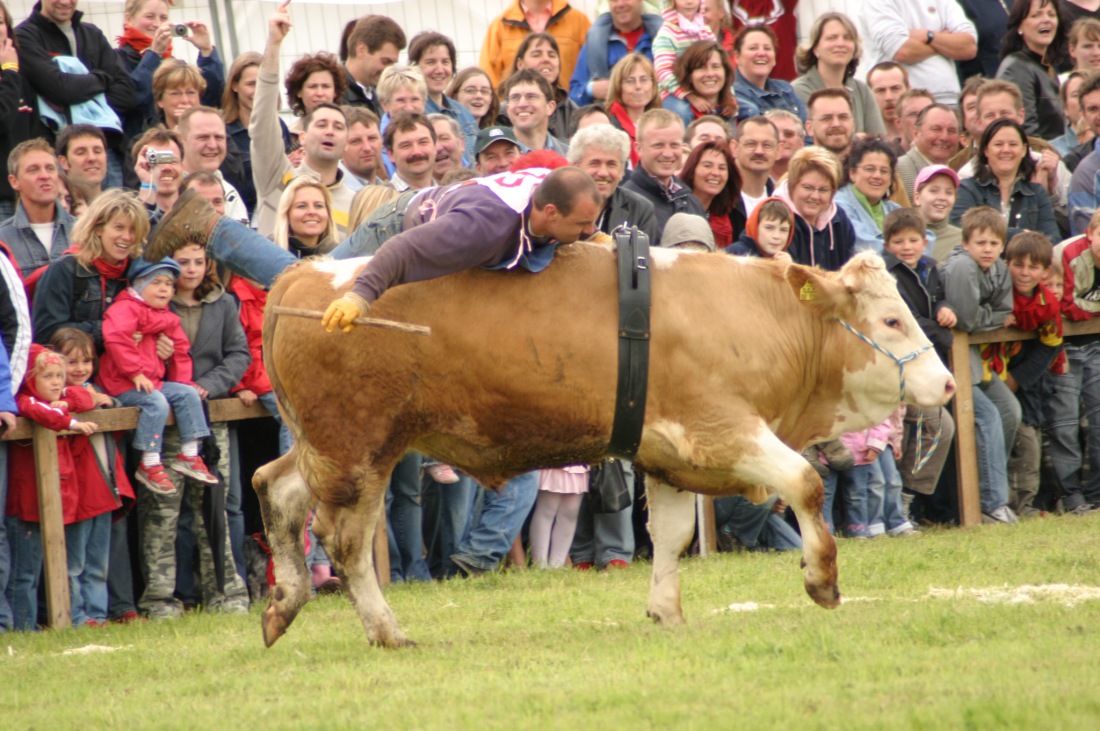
[623,29]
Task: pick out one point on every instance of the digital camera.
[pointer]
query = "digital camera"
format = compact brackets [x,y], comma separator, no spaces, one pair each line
[160,157]
[180,30]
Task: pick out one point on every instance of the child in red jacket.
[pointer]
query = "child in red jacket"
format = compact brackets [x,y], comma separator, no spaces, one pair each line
[45,400]
[102,487]
[133,373]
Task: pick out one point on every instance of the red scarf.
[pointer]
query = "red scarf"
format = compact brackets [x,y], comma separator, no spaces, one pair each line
[1040,312]
[137,40]
[723,230]
[618,111]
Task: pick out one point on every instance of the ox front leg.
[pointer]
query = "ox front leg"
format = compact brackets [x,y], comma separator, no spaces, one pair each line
[768,461]
[284,504]
[671,525]
[347,533]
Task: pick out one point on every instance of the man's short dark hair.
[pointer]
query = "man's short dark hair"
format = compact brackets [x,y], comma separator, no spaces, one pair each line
[938,105]
[405,122]
[308,119]
[889,66]
[830,93]
[157,137]
[759,119]
[70,133]
[360,115]
[527,76]
[1090,85]
[563,188]
[374,31]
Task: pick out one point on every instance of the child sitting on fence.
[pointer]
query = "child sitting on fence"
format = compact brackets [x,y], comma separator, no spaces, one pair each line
[103,486]
[133,373]
[1078,392]
[45,400]
[1032,364]
[978,289]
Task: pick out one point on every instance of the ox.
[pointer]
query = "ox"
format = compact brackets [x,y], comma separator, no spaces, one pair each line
[749,364]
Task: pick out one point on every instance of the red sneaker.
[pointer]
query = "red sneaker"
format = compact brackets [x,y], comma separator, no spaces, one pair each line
[617,563]
[156,479]
[194,468]
[584,566]
[129,617]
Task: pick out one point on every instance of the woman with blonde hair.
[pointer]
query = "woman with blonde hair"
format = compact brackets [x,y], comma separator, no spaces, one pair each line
[829,60]
[177,86]
[367,201]
[75,290]
[823,235]
[631,92]
[303,224]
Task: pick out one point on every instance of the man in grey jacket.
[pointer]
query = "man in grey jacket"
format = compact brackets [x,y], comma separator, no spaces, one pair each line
[39,231]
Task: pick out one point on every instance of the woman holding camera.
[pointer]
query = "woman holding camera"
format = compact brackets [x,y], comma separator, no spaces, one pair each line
[146,40]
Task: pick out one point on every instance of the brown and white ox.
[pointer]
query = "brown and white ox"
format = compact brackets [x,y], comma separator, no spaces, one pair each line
[749,363]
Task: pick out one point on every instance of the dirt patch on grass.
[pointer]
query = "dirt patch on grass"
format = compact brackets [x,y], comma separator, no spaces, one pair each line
[1066,594]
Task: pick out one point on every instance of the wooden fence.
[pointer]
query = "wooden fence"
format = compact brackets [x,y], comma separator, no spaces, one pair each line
[49,494]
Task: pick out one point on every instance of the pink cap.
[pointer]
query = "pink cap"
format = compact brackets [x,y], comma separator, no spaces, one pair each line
[932,171]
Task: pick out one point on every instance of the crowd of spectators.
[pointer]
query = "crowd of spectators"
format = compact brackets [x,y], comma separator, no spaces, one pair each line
[966,158]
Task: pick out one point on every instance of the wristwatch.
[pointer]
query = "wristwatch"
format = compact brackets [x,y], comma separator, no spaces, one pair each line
[931,37]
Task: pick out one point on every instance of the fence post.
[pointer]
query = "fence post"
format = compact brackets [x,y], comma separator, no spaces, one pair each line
[52,526]
[966,445]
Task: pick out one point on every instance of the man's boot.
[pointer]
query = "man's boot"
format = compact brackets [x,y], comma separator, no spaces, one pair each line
[190,221]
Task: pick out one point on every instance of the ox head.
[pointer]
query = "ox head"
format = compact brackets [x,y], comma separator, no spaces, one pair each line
[886,355]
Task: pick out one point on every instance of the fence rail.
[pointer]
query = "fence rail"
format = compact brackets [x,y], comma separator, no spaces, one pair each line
[58,606]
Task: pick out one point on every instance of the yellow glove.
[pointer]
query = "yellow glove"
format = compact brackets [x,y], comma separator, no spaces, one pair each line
[343,311]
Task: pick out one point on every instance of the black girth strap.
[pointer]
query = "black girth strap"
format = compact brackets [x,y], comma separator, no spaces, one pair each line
[634,299]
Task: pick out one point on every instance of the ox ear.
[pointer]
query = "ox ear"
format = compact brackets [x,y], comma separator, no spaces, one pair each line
[820,291]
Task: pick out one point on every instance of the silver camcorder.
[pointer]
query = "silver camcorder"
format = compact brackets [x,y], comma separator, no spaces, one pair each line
[160,157]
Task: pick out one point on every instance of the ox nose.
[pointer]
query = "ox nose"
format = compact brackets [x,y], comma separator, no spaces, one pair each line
[949,389]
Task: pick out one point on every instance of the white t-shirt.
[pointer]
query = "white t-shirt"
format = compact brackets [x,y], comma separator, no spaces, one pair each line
[751,203]
[44,232]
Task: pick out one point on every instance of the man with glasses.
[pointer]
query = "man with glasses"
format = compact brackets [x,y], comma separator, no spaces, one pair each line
[623,29]
[830,121]
[530,102]
[754,147]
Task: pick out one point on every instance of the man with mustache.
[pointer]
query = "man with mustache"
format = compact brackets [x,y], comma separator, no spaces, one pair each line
[410,141]
[603,152]
[755,146]
[935,142]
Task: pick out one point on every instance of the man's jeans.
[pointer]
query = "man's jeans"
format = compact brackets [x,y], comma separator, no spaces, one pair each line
[496,520]
[992,456]
[854,494]
[605,537]
[446,515]
[380,227]
[247,253]
[5,548]
[405,519]
[1076,392]
[756,526]
[88,545]
[25,540]
[185,404]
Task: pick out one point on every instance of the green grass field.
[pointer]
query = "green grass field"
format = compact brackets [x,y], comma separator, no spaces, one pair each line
[569,650]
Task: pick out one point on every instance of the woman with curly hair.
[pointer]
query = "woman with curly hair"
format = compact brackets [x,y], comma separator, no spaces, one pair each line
[314,79]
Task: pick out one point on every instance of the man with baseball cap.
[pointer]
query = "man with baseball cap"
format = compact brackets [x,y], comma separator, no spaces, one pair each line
[497,148]
[934,193]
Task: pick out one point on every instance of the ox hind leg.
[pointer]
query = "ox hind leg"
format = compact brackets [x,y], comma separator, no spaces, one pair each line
[284,504]
[768,461]
[347,532]
[671,526]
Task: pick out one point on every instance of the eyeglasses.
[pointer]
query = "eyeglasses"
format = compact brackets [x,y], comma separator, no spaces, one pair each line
[830,118]
[811,190]
[529,98]
[638,80]
[873,170]
[476,91]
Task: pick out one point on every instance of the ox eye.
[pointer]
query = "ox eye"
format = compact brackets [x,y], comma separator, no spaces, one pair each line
[893,322]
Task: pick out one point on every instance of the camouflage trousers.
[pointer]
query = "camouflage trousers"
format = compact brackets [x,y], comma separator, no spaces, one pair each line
[158,522]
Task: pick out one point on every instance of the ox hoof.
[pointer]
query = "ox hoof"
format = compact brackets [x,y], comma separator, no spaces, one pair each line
[665,618]
[826,596]
[274,626]
[392,643]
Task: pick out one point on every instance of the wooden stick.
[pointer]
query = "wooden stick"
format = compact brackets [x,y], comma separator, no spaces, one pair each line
[391,324]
